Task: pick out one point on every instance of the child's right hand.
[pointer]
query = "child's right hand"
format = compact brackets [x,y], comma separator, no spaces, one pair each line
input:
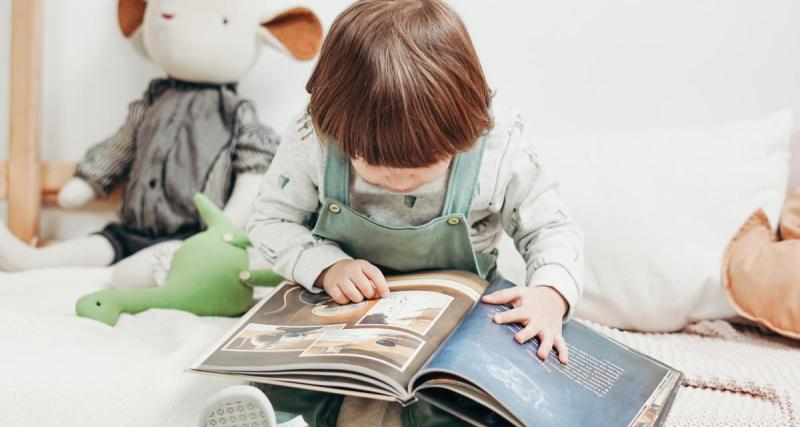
[353,280]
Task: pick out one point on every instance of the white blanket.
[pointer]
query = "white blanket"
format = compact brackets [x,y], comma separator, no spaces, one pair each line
[59,369]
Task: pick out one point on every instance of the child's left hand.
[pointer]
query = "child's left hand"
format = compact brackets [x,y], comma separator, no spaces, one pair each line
[541,310]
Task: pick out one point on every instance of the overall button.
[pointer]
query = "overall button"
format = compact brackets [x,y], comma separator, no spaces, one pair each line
[335,208]
[454,220]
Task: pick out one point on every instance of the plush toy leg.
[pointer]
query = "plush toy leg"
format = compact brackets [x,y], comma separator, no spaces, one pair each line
[240,203]
[260,278]
[91,251]
[143,269]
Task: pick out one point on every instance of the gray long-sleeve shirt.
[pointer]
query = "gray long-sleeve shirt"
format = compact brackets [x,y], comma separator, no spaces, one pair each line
[180,139]
[513,194]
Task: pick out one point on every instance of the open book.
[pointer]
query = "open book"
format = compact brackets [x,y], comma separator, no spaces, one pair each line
[433,339]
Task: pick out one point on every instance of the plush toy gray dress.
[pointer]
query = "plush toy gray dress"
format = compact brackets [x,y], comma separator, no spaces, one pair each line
[180,139]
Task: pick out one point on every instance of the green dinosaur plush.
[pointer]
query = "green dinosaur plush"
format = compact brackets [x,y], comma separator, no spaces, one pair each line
[209,276]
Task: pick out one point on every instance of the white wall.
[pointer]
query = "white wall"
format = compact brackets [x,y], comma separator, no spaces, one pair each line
[573,65]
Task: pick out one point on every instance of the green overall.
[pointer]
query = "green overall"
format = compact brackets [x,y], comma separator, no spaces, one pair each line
[441,244]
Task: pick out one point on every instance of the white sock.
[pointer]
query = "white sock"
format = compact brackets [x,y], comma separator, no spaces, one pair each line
[91,251]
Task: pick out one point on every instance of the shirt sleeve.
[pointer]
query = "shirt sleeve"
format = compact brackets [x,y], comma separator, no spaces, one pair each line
[256,144]
[107,163]
[286,207]
[544,233]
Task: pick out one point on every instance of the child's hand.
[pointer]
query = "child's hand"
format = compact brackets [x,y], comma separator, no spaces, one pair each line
[353,280]
[540,309]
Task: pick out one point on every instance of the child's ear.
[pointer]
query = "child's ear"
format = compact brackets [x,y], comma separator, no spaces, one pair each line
[296,31]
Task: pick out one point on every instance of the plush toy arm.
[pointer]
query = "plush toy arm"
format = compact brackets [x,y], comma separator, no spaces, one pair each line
[256,144]
[240,203]
[255,148]
[75,193]
[108,163]
[260,278]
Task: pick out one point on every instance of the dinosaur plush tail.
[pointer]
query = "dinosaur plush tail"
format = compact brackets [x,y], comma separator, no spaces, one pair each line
[211,214]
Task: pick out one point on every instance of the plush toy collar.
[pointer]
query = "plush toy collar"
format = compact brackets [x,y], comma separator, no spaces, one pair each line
[159,86]
[173,83]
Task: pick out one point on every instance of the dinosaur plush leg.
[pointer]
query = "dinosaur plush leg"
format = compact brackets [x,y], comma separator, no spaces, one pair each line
[91,251]
[260,278]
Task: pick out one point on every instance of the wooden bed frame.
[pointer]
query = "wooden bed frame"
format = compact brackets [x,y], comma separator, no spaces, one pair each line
[21,181]
[25,180]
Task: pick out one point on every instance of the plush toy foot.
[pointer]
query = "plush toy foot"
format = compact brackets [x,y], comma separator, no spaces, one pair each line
[239,406]
[90,251]
[12,251]
[145,269]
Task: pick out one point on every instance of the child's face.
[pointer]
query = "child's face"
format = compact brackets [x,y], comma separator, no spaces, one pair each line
[400,180]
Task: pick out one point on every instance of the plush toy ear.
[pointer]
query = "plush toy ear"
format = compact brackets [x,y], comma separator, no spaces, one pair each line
[130,14]
[297,31]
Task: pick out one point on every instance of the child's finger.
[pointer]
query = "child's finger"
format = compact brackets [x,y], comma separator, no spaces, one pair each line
[527,333]
[511,316]
[503,296]
[561,348]
[337,295]
[351,291]
[364,286]
[374,273]
[545,346]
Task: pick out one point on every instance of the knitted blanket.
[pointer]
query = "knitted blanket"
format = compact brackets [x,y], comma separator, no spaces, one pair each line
[733,375]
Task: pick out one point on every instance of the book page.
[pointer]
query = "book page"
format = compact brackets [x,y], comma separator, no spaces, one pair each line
[605,383]
[388,338]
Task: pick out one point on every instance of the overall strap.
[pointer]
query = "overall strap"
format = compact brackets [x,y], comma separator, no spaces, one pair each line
[463,180]
[337,174]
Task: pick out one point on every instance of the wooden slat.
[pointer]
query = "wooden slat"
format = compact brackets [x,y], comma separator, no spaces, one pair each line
[3,180]
[114,197]
[54,174]
[24,180]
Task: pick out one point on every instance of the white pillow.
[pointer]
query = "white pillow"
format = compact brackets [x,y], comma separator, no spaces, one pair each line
[658,208]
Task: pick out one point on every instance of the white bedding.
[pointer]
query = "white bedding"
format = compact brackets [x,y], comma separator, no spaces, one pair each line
[59,369]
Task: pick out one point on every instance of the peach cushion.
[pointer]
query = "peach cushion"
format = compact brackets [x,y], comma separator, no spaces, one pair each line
[762,274]
[790,217]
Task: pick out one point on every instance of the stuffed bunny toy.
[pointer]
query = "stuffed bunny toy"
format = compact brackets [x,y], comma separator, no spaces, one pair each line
[190,133]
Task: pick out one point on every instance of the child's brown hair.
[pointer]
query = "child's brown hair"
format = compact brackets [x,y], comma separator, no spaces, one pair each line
[398,84]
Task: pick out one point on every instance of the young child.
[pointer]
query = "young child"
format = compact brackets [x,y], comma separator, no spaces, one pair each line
[400,164]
